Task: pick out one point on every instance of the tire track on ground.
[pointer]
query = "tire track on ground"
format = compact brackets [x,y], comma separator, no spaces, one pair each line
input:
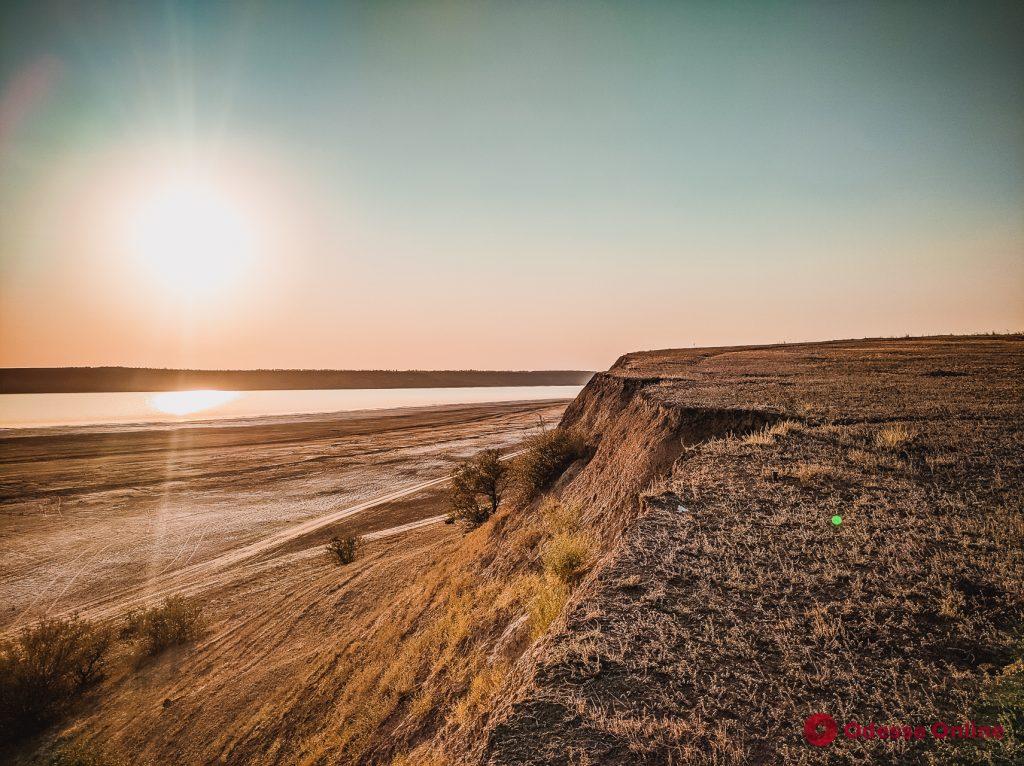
[233,564]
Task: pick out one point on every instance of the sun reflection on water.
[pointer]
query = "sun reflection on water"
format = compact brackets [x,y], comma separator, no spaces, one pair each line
[187,402]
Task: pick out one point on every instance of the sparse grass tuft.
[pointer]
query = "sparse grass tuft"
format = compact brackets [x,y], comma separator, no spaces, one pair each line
[761,438]
[345,549]
[806,473]
[864,458]
[567,556]
[768,434]
[549,597]
[785,427]
[893,437]
[45,669]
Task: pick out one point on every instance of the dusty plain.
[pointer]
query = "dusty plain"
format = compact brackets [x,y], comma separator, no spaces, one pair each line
[92,517]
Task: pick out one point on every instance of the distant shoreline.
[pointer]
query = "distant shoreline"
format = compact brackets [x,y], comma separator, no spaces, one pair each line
[87,380]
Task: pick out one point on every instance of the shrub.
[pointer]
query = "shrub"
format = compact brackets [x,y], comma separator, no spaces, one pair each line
[557,516]
[567,556]
[175,621]
[478,486]
[546,457]
[45,669]
[345,549]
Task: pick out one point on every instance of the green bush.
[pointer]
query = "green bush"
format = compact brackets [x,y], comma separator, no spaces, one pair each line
[45,669]
[477,487]
[345,549]
[547,456]
[175,621]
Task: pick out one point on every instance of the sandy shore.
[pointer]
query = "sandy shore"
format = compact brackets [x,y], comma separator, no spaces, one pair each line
[89,515]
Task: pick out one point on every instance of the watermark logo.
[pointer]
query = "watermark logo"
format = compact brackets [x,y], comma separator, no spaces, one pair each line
[820,729]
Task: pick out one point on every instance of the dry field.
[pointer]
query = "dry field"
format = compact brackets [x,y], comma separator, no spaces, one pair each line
[732,608]
[676,593]
[91,517]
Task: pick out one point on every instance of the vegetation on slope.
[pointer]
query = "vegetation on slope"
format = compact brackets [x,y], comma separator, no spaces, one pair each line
[47,668]
[734,606]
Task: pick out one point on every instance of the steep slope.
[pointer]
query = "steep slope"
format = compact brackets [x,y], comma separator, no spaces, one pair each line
[731,607]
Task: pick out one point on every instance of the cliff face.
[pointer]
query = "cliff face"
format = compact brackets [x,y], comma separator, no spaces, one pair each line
[636,432]
[729,606]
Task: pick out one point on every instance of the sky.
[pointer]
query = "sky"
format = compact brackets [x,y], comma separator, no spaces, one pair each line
[525,185]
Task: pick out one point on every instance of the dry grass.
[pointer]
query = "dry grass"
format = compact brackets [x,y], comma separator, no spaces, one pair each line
[481,692]
[422,756]
[441,663]
[549,598]
[807,473]
[84,754]
[429,664]
[893,437]
[567,556]
[446,672]
[752,607]
[767,436]
[865,458]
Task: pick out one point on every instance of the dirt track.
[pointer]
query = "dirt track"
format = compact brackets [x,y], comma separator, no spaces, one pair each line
[95,521]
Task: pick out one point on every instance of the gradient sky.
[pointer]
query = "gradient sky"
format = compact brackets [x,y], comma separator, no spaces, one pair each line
[513,185]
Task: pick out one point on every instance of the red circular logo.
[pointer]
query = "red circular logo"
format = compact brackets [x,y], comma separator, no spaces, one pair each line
[820,729]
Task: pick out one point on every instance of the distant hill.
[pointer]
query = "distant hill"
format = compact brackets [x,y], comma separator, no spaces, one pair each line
[69,380]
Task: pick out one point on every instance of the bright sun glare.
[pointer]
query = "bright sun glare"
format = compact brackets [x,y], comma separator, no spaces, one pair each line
[192,235]
[187,402]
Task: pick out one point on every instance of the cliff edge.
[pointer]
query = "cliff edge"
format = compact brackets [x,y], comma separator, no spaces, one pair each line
[826,527]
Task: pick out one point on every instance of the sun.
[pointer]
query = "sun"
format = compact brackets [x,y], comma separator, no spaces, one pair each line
[190,234]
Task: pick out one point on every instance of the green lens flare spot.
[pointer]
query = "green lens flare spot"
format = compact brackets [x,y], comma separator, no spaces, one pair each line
[837,520]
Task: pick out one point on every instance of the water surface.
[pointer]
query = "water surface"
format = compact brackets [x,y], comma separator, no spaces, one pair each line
[38,410]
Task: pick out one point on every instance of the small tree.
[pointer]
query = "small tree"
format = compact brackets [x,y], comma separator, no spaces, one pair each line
[345,549]
[478,484]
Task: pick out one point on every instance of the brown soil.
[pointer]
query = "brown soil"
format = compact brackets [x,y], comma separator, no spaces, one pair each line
[721,606]
[729,607]
[91,518]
